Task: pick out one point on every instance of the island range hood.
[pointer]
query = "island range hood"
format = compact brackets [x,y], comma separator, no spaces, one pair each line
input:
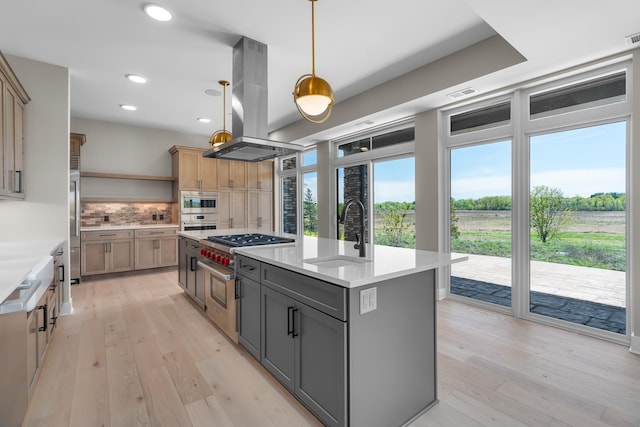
[249,109]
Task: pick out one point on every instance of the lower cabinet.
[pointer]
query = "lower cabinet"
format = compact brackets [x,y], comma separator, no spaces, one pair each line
[155,248]
[305,350]
[194,278]
[107,252]
[183,261]
[249,314]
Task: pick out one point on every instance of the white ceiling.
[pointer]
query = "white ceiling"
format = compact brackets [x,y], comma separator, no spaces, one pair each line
[359,45]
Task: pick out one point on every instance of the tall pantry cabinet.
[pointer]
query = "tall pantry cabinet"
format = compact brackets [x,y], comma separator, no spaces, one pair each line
[13,98]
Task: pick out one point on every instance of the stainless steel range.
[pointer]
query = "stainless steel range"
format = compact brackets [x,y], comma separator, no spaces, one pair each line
[209,276]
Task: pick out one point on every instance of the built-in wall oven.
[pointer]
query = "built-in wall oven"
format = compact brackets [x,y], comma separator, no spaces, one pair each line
[198,210]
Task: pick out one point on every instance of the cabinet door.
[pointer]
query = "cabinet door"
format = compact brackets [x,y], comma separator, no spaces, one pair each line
[321,364]
[94,257]
[145,253]
[183,262]
[121,253]
[167,251]
[231,174]
[208,173]
[188,177]
[224,209]
[249,315]
[277,353]
[265,175]
[32,347]
[265,201]
[200,286]
[238,204]
[190,284]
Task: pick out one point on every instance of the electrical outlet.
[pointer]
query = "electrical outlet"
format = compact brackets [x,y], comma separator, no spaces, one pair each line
[161,217]
[154,217]
[106,218]
[368,300]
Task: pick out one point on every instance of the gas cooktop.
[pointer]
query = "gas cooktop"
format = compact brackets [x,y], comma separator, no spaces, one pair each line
[253,239]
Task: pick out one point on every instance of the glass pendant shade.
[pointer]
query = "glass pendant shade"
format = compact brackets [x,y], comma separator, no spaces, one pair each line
[313,95]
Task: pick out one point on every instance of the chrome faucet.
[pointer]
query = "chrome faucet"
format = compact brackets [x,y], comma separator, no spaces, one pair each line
[359,237]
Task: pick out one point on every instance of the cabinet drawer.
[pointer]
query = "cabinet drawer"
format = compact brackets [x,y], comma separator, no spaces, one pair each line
[156,232]
[323,296]
[107,235]
[248,267]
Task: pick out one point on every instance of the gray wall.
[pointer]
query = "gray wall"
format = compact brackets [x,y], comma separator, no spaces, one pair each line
[43,214]
[125,149]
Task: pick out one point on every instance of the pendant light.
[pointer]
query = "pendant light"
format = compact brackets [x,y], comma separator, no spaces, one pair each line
[221,136]
[313,95]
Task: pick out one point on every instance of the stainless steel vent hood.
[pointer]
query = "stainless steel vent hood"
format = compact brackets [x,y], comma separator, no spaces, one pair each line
[249,109]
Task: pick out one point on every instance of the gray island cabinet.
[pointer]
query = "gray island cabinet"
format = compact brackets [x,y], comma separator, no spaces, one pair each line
[355,344]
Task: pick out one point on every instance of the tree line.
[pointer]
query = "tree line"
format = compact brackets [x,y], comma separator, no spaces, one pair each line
[595,202]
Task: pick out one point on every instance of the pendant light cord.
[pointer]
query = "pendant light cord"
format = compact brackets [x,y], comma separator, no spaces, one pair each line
[224,109]
[313,41]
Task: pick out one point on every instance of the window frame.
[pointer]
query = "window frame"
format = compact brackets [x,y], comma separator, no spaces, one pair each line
[520,130]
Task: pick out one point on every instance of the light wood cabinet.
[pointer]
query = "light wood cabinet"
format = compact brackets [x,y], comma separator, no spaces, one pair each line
[192,171]
[232,209]
[13,98]
[156,248]
[107,252]
[76,140]
[260,175]
[260,210]
[232,174]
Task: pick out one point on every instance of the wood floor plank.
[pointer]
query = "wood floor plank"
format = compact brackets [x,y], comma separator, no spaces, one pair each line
[136,351]
[208,412]
[90,406]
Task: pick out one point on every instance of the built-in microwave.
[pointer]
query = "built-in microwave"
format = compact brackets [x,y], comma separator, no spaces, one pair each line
[198,202]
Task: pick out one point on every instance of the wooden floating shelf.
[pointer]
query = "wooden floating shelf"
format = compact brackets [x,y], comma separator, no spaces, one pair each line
[126,176]
[90,199]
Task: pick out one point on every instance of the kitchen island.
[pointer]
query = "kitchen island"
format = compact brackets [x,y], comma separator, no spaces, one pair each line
[354,339]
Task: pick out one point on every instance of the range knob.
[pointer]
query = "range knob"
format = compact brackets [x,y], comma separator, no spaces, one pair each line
[218,258]
[226,261]
[202,251]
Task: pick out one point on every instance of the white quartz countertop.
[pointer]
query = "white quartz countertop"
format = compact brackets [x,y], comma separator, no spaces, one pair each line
[337,261]
[18,258]
[127,227]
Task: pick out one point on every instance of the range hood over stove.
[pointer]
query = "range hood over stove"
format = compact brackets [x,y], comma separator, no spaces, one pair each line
[249,109]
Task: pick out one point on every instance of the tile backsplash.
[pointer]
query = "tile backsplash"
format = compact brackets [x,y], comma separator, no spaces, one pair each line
[93,214]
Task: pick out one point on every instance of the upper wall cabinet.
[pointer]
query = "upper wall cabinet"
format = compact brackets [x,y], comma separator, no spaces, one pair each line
[193,172]
[232,174]
[13,98]
[260,175]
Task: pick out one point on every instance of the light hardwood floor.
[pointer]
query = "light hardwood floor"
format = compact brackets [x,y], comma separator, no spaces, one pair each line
[136,352]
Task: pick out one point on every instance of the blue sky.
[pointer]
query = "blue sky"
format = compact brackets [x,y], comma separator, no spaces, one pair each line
[394,181]
[578,162]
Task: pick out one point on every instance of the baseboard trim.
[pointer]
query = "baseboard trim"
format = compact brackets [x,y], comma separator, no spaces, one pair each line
[442,294]
[67,308]
[635,344]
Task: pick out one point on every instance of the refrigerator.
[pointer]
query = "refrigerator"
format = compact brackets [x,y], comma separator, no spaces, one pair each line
[74,226]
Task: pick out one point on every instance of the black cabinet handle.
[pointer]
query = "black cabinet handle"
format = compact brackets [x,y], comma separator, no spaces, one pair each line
[194,262]
[19,173]
[293,321]
[61,270]
[289,322]
[235,289]
[46,322]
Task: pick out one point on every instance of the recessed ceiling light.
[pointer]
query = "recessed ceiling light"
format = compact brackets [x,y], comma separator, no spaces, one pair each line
[213,92]
[136,78]
[158,13]
[204,120]
[128,107]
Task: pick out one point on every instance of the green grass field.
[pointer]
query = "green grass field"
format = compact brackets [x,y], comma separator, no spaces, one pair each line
[590,239]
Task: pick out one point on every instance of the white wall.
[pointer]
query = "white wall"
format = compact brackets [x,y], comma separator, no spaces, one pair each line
[43,214]
[119,148]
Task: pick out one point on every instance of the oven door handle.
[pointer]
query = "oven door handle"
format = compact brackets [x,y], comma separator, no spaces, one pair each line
[214,271]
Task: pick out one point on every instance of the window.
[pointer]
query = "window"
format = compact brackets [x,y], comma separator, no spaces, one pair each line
[301,216]
[381,165]
[537,199]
